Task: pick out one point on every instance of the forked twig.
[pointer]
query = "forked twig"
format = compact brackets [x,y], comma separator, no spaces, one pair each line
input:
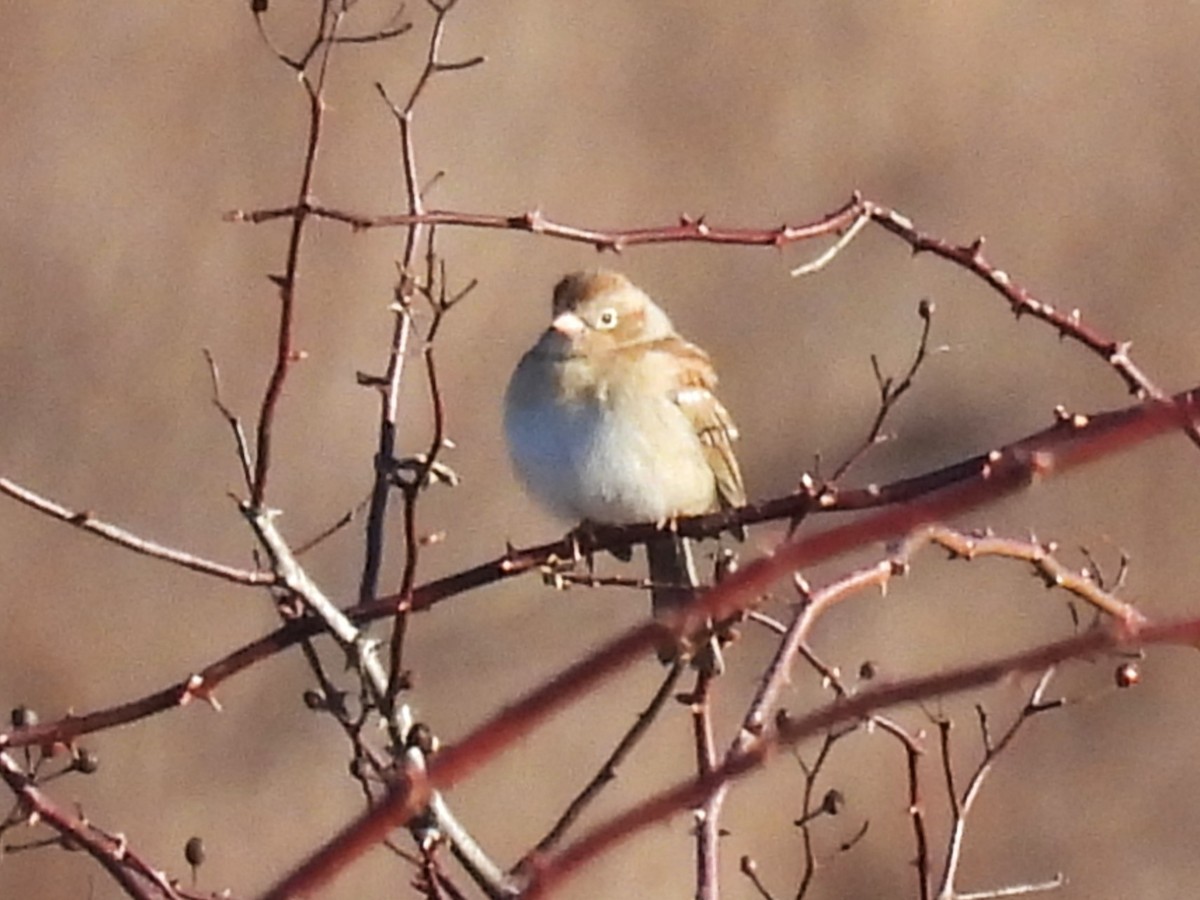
[962,803]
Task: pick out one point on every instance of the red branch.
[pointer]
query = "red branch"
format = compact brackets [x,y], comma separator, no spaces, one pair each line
[930,497]
[1002,472]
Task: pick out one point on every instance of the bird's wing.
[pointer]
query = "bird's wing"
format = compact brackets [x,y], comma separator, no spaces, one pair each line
[695,382]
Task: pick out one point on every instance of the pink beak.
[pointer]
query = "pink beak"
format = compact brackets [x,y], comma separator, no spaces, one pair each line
[567,324]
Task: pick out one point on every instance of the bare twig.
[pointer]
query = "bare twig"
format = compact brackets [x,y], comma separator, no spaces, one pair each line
[961,804]
[708,824]
[916,804]
[127,868]
[389,383]
[85,521]
[1017,890]
[828,256]
[608,771]
[333,528]
[811,811]
[285,351]
[234,423]
[890,391]
[956,488]
[749,868]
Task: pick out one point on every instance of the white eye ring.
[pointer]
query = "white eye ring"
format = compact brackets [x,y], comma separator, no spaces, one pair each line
[607,320]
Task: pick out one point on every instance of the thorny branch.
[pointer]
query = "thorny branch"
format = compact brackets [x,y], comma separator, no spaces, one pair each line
[389,383]
[379,687]
[789,732]
[126,867]
[457,762]
[331,15]
[846,221]
[1103,434]
[961,804]
[362,652]
[997,473]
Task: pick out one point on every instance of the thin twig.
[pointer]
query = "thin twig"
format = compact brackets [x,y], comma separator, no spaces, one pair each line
[389,384]
[333,528]
[1107,434]
[749,868]
[1017,890]
[85,521]
[234,423]
[828,256]
[136,878]
[285,352]
[961,805]
[810,811]
[708,825]
[916,804]
[891,391]
[608,771]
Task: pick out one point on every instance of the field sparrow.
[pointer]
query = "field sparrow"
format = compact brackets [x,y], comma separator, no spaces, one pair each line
[611,419]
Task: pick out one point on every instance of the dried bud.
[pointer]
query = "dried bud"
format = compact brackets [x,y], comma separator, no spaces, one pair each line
[194,852]
[23,716]
[833,802]
[85,761]
[1127,675]
[422,737]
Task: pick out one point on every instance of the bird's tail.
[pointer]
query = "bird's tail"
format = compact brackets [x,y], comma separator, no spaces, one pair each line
[673,586]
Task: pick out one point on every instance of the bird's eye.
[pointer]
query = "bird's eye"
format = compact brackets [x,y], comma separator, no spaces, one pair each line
[607,320]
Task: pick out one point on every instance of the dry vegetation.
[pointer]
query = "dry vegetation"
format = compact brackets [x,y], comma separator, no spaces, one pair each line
[958,672]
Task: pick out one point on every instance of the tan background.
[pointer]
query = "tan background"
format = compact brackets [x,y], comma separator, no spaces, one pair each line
[1066,132]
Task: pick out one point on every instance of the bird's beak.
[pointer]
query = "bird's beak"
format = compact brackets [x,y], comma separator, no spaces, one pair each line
[567,324]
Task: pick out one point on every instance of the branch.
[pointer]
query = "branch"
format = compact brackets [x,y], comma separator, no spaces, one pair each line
[285,352]
[136,877]
[389,383]
[961,806]
[85,521]
[947,492]
[1002,473]
[362,652]
[845,222]
[790,732]
[608,771]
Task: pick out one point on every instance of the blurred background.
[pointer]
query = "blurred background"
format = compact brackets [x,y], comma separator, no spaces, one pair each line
[1066,133]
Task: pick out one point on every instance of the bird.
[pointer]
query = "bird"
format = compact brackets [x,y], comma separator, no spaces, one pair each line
[611,419]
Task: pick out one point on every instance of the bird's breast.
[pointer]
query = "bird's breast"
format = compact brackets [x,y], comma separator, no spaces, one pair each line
[592,449]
